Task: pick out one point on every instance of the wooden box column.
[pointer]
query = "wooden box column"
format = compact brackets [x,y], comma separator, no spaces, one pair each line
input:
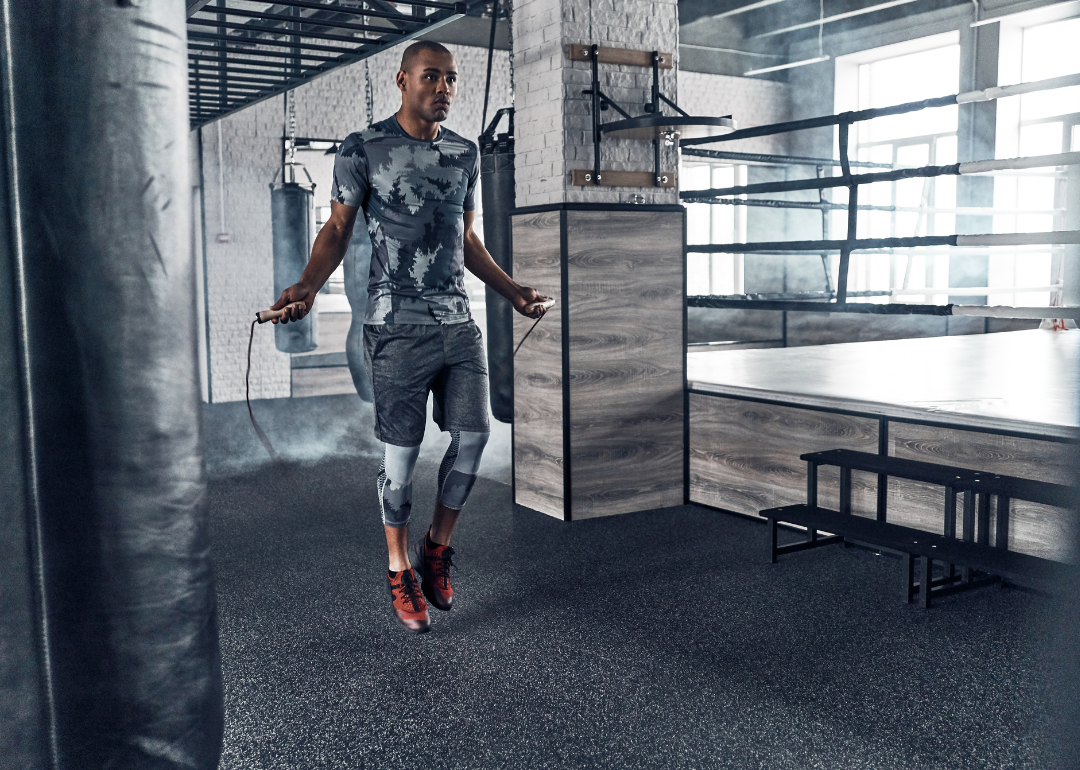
[599,385]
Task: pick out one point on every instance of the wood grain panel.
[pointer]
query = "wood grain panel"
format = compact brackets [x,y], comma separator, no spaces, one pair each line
[1035,529]
[744,455]
[608,55]
[538,380]
[625,280]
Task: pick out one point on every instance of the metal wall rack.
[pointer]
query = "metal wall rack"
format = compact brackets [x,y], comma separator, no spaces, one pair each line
[652,125]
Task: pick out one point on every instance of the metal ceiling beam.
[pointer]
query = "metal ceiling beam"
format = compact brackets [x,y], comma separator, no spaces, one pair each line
[253,41]
[306,20]
[205,51]
[284,31]
[278,49]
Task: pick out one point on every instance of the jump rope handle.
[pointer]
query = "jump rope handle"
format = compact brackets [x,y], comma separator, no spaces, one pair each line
[269,315]
[546,305]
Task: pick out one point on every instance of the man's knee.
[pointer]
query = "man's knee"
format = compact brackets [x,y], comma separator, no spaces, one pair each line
[460,466]
[395,484]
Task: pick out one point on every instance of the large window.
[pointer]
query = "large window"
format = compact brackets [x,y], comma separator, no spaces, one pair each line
[882,77]
[1041,123]
[705,223]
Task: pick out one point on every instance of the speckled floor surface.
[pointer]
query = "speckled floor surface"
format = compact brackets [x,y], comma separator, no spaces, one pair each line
[658,639]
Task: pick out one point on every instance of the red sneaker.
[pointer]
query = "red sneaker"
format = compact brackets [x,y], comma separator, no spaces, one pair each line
[433,564]
[408,605]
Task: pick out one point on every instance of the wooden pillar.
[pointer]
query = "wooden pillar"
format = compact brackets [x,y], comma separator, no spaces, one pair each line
[599,414]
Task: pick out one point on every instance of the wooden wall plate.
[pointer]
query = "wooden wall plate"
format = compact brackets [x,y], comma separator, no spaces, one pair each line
[582,52]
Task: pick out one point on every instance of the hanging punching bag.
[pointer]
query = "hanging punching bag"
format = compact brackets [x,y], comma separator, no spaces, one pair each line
[357,265]
[114,660]
[497,190]
[292,220]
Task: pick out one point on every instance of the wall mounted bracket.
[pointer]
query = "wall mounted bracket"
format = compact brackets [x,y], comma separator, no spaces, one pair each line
[653,125]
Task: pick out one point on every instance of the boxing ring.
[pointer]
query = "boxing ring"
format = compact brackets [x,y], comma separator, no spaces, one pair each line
[1004,402]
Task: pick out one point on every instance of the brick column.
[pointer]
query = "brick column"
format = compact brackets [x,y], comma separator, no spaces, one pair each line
[553,119]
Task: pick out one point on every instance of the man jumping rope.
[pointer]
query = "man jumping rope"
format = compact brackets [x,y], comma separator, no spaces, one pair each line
[416,183]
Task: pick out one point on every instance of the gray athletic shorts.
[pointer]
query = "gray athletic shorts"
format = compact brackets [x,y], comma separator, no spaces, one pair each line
[407,361]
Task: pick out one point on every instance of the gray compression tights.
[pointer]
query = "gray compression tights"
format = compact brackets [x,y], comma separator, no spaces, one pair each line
[456,476]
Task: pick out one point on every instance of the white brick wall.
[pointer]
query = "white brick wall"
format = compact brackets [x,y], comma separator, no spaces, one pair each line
[752,102]
[240,272]
[554,130]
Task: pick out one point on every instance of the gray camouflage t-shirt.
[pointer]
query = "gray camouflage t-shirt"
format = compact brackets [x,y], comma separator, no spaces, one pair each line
[413,193]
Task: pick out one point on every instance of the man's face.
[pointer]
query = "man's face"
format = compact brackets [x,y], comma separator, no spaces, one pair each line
[429,86]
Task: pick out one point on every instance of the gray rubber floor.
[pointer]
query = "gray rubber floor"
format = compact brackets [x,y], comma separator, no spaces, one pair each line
[654,639]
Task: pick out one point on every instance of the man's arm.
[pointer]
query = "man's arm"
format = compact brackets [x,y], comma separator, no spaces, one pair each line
[480,264]
[330,246]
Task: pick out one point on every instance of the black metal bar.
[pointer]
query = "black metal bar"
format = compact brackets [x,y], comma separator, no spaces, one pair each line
[654,108]
[811,483]
[895,308]
[248,79]
[950,512]
[274,71]
[674,106]
[222,56]
[491,52]
[757,157]
[195,50]
[883,478]
[845,490]
[233,89]
[859,244]
[823,121]
[909,572]
[308,20]
[282,31]
[852,217]
[1001,534]
[826,182]
[772,541]
[774,203]
[950,522]
[968,527]
[984,519]
[253,41]
[925,581]
[595,55]
[367,12]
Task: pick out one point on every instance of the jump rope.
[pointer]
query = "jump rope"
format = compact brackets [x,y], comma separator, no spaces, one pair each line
[263,316]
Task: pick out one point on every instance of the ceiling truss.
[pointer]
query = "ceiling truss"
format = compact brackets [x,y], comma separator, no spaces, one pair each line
[241,52]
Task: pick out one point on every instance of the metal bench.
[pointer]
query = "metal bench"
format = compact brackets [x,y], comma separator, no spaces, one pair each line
[980,561]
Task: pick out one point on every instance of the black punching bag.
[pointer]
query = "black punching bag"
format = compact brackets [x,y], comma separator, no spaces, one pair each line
[357,266]
[497,189]
[292,216]
[108,623]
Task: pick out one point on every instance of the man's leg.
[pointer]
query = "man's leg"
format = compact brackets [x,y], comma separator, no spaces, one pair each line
[456,477]
[395,501]
[457,474]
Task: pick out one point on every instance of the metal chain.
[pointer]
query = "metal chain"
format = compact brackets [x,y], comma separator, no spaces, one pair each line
[369,97]
[510,31]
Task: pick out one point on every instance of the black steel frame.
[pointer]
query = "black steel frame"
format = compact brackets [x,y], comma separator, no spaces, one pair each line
[851,181]
[239,55]
[601,101]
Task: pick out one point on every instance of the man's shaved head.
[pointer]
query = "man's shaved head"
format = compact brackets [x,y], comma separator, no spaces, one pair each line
[416,48]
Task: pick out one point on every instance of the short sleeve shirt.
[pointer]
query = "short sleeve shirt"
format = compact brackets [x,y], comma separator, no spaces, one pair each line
[413,193]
